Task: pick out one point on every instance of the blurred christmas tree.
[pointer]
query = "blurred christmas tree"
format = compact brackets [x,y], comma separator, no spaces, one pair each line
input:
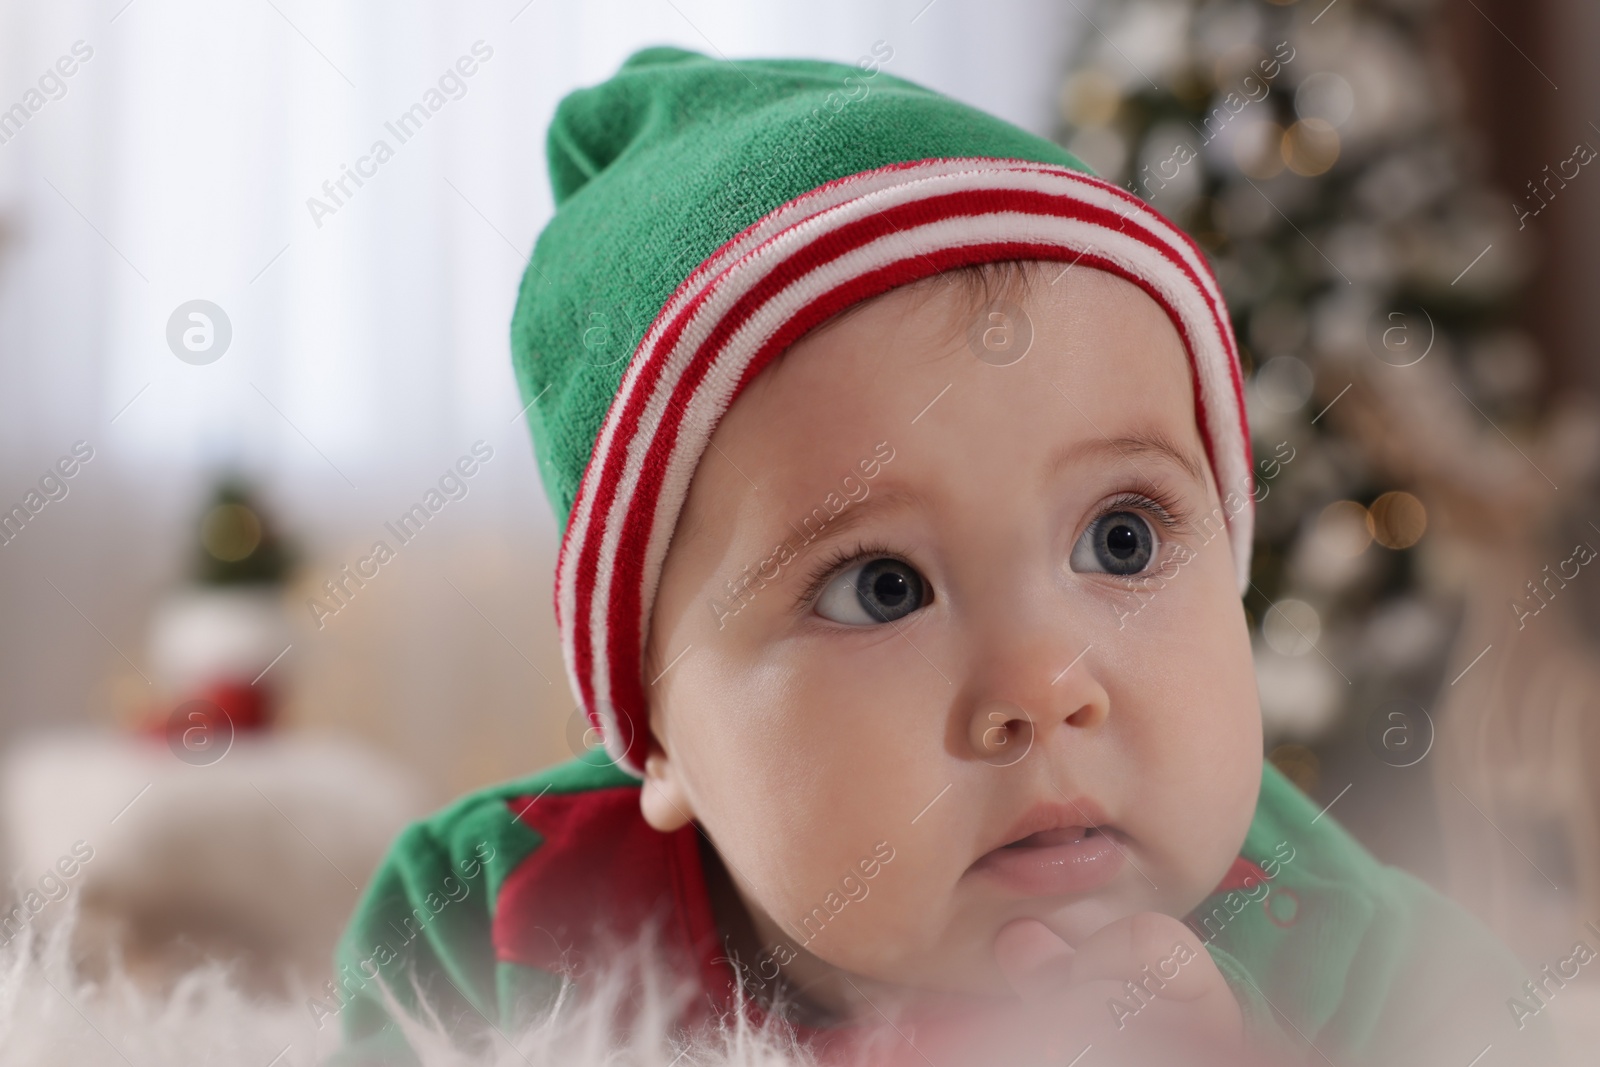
[1430,495]
[1315,152]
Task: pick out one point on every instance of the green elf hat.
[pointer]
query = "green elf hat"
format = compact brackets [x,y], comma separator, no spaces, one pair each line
[709,213]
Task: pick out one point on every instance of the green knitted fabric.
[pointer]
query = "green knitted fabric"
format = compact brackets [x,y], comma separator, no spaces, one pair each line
[657,167]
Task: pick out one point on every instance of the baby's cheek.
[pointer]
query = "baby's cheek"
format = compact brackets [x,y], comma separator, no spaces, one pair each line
[854,908]
[801,786]
[1197,722]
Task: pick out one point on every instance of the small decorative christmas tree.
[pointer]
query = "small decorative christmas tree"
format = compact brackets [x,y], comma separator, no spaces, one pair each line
[237,544]
[214,640]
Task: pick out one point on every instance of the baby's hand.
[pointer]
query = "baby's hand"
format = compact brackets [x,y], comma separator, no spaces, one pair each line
[1139,988]
[1140,991]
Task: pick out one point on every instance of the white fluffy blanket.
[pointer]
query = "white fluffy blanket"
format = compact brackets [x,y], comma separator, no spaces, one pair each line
[52,1014]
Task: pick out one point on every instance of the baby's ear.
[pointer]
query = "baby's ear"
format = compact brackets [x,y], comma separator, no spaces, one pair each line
[662,801]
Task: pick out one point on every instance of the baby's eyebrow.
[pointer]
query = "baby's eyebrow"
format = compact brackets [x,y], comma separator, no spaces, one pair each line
[1150,444]
[876,502]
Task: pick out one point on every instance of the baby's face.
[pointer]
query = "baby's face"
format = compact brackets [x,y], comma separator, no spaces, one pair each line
[974,609]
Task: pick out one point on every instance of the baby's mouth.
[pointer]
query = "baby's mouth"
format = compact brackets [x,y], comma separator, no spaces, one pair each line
[1065,835]
[1060,861]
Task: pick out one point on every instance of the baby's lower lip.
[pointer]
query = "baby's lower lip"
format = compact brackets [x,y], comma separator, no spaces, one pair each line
[1054,863]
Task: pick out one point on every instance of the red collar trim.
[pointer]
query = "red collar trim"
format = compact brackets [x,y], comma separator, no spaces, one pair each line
[599,858]
[1242,875]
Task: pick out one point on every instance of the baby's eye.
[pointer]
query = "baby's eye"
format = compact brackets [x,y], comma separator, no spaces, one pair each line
[872,592]
[1120,542]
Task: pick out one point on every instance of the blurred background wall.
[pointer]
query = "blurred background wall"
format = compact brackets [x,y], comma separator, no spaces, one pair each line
[369,345]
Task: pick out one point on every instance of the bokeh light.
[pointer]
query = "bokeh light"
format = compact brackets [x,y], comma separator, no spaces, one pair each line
[230,532]
[1397,520]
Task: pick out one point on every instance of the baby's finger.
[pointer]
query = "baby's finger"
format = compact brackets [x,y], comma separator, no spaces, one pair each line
[1034,960]
[1157,953]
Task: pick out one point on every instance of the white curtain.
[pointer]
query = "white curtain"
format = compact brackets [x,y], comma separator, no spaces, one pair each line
[368,336]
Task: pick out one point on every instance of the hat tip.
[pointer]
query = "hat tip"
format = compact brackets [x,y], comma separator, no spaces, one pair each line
[660,55]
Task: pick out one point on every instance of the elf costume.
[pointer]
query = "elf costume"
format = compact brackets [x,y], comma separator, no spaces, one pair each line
[709,213]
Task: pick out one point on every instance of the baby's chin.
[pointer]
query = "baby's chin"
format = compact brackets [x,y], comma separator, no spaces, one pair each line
[964,963]
[941,945]
[1076,922]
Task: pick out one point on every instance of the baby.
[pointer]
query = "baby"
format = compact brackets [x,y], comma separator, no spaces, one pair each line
[907,498]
